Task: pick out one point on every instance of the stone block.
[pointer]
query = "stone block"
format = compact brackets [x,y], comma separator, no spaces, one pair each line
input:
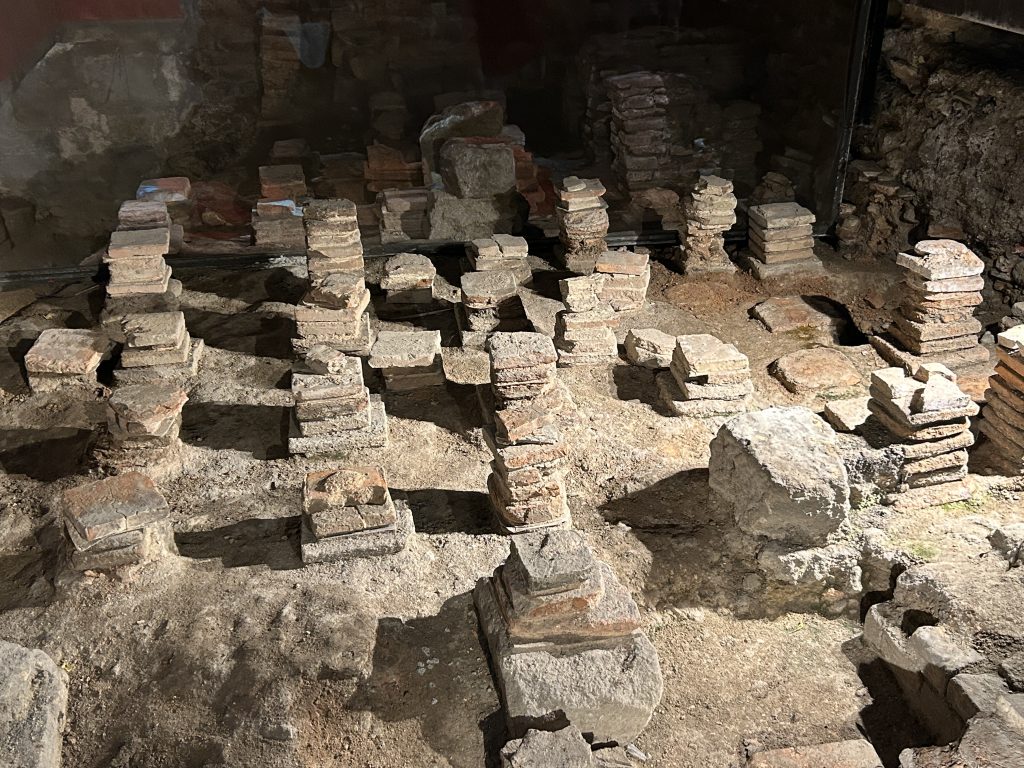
[815,370]
[783,471]
[405,349]
[472,169]
[971,694]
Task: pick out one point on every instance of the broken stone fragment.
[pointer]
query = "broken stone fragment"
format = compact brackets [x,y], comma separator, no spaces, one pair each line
[580,294]
[649,348]
[543,749]
[703,355]
[323,359]
[622,263]
[941,260]
[481,290]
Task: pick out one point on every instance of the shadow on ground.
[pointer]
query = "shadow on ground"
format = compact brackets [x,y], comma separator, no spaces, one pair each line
[886,721]
[44,454]
[271,542]
[439,511]
[261,430]
[435,670]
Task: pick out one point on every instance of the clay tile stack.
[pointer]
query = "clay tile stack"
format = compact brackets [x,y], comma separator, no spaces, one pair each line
[334,411]
[583,332]
[490,303]
[350,513]
[565,640]
[333,310]
[143,427]
[1003,421]
[158,347]
[626,278]
[526,485]
[707,378]
[781,240]
[408,359]
[409,279]
[710,212]
[173,191]
[404,215]
[277,224]
[143,214]
[936,322]
[582,216]
[504,253]
[639,128]
[136,262]
[116,522]
[66,358]
[929,418]
[279,62]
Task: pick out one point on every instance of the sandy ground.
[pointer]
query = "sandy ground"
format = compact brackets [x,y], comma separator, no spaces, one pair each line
[210,658]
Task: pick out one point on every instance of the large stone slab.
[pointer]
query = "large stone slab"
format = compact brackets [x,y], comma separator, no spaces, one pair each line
[33,704]
[815,370]
[856,753]
[783,471]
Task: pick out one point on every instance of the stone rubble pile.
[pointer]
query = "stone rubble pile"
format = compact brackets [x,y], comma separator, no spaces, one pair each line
[490,303]
[582,216]
[929,419]
[116,522]
[935,322]
[501,253]
[639,128]
[707,377]
[349,513]
[710,211]
[158,347]
[584,332]
[334,413]
[408,360]
[404,215]
[1003,417]
[408,279]
[565,641]
[781,240]
[143,428]
[333,310]
[526,484]
[66,358]
[625,279]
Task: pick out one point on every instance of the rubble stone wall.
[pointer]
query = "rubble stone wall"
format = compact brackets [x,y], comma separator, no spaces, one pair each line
[948,124]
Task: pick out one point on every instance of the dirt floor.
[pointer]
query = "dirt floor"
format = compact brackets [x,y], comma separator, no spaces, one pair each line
[233,654]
